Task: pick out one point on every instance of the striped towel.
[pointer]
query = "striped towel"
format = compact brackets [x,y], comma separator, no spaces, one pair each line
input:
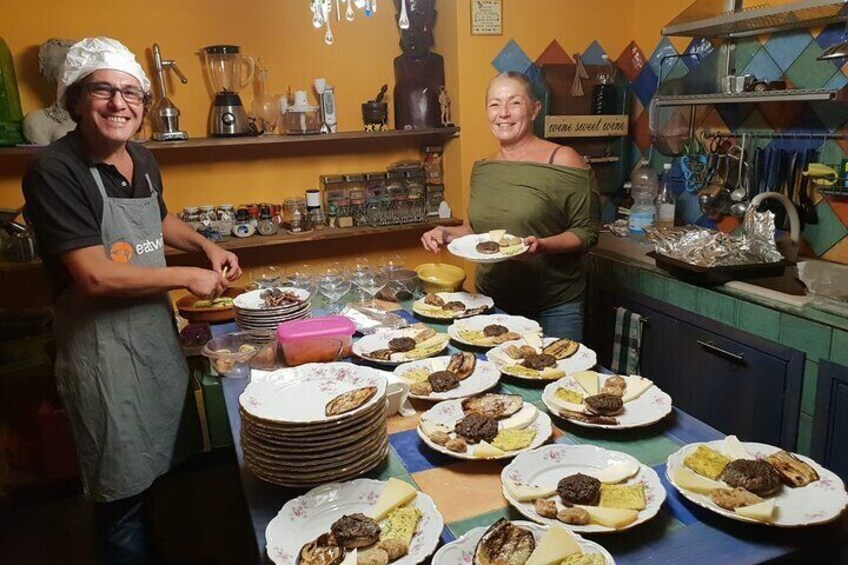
[628,342]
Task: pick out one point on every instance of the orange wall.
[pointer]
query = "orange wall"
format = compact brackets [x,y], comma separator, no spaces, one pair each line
[280,31]
[358,63]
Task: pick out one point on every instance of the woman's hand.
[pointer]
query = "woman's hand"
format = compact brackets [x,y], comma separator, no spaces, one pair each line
[222,259]
[535,246]
[433,240]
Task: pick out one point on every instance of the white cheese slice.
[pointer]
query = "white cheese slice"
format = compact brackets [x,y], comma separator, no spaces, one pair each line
[734,449]
[486,450]
[521,419]
[395,494]
[434,341]
[527,493]
[350,558]
[616,518]
[563,405]
[762,512]
[691,481]
[501,358]
[556,544]
[497,235]
[533,340]
[588,381]
[617,472]
[636,386]
[429,427]
[421,305]
[550,373]
[437,365]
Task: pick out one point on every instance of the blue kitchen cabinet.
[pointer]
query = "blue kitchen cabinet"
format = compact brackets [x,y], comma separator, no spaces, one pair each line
[830,428]
[736,382]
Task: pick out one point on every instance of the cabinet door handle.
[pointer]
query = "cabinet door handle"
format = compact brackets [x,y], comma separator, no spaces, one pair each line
[710,346]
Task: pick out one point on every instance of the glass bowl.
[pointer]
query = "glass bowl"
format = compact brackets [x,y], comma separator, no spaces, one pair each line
[235,354]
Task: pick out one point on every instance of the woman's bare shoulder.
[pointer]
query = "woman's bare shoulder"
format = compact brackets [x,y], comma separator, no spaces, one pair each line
[568,157]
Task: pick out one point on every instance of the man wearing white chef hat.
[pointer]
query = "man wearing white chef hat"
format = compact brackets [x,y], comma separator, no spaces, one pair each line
[95,201]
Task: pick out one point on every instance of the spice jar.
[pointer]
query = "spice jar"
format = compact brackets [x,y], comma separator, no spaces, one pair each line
[344,219]
[243,227]
[395,183]
[207,212]
[432,158]
[375,185]
[334,190]
[266,225]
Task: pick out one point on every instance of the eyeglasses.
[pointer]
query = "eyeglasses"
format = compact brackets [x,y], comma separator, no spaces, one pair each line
[105,91]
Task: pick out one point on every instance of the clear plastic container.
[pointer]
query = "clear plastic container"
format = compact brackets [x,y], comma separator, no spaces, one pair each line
[666,201]
[303,121]
[316,340]
[235,354]
[644,179]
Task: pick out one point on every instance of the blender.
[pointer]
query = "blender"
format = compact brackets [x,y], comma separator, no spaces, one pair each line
[226,67]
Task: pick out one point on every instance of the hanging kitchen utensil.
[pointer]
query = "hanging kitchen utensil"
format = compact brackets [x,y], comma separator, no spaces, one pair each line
[403,20]
[326,10]
[580,75]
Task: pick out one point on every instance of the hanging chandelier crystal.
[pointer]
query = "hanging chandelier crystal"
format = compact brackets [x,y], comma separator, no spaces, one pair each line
[323,11]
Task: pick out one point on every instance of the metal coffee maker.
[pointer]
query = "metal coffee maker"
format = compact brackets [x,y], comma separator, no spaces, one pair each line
[226,67]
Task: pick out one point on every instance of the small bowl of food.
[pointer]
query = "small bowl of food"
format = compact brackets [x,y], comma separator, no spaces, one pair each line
[440,277]
[235,354]
[219,309]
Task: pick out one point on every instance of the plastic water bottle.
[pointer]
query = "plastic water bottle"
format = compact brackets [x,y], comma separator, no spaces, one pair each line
[643,211]
[666,201]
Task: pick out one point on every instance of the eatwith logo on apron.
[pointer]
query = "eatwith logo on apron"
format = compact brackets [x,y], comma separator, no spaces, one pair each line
[119,366]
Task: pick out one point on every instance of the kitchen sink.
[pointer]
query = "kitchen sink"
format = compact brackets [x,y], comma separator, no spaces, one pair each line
[786,288]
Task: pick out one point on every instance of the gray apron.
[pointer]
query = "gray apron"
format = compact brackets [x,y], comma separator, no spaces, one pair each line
[119,367]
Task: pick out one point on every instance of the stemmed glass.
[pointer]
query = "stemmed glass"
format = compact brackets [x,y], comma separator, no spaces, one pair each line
[302,277]
[360,269]
[267,277]
[371,283]
[333,282]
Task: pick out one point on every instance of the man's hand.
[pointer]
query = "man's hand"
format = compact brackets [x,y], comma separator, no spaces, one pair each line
[535,246]
[206,284]
[220,259]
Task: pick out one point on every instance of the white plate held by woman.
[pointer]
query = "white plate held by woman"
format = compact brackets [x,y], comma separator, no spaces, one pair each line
[466,247]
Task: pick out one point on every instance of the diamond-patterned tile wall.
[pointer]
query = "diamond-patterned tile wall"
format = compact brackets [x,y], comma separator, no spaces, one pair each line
[790,56]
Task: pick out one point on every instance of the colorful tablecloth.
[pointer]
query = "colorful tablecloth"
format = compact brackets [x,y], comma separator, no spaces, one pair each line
[468,493]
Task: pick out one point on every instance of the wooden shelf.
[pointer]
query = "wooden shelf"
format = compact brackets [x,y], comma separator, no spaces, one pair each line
[346,138]
[282,238]
[285,238]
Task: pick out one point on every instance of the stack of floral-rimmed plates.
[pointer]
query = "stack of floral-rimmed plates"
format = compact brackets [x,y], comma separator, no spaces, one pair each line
[314,424]
[251,313]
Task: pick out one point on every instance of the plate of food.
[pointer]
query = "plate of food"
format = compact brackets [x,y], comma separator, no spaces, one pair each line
[614,402]
[488,426]
[755,482]
[401,346]
[450,376]
[583,487]
[492,247]
[491,330]
[535,358]
[452,305]
[219,309]
[359,521]
[315,392]
[275,300]
[519,541]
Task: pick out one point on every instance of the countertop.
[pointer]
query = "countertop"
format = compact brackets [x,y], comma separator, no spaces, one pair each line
[633,253]
[468,494]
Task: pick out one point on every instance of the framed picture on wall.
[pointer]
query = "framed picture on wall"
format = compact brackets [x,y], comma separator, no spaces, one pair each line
[486,17]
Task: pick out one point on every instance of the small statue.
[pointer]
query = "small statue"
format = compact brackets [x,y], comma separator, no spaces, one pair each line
[419,73]
[444,102]
[45,126]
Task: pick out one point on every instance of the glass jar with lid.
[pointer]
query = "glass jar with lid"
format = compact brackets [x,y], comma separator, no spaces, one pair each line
[395,183]
[415,184]
[294,210]
[375,184]
[344,219]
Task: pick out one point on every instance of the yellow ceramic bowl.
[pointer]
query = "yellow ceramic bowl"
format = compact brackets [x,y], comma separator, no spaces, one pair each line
[440,277]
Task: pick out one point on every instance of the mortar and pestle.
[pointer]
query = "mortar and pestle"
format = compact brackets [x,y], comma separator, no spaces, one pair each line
[375,113]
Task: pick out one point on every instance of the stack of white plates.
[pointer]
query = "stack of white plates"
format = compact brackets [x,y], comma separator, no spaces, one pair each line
[288,439]
[252,314]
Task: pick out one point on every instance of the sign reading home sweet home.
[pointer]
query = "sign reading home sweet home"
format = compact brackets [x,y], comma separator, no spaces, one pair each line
[586,126]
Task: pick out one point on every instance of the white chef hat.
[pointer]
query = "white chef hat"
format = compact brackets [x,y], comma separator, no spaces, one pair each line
[96,53]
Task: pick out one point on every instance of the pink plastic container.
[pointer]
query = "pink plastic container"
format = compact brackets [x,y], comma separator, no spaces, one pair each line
[316,340]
